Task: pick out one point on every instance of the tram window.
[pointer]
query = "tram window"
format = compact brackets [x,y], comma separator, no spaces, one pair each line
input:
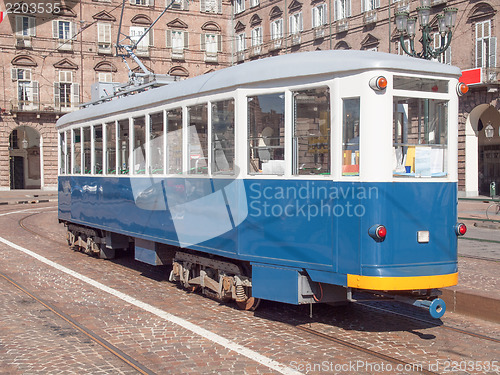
[87,151]
[311,137]
[223,137]
[174,141]
[62,154]
[123,147]
[266,130]
[198,139]
[420,84]
[98,151]
[68,152]
[350,137]
[156,142]
[420,137]
[77,151]
[111,147]
[139,145]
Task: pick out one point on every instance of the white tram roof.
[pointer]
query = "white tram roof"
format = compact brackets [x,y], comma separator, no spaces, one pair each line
[288,66]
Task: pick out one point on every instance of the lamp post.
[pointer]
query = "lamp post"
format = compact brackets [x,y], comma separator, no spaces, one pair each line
[406,24]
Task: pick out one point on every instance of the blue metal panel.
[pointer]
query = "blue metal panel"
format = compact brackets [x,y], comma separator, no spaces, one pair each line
[312,225]
[275,283]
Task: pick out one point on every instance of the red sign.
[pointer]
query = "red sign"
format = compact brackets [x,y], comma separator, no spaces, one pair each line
[1,16]
[471,76]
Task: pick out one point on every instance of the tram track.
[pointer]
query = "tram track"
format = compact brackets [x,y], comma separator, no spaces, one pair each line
[131,362]
[303,327]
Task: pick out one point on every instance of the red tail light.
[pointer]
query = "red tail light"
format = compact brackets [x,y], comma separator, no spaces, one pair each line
[460,229]
[378,232]
[462,88]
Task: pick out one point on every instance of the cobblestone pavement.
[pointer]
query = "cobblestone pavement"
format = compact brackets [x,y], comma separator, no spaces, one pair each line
[34,340]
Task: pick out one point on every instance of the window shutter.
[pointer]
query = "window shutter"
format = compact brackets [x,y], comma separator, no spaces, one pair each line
[151,3]
[74,31]
[186,39]
[35,92]
[19,25]
[336,11]
[203,7]
[219,43]
[32,26]
[55,29]
[57,95]
[202,42]
[301,22]
[479,53]
[27,74]
[219,6]
[447,55]
[348,6]
[13,74]
[290,27]
[150,37]
[377,3]
[493,52]
[75,94]
[169,38]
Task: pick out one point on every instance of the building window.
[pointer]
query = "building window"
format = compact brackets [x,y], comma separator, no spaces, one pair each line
[239,6]
[63,32]
[257,36]
[211,6]
[445,57]
[240,42]
[277,29]
[104,37]
[319,16]
[142,2]
[177,4]
[485,46]
[254,3]
[105,77]
[177,40]
[400,48]
[66,93]
[342,9]
[368,5]
[25,26]
[28,97]
[135,33]
[296,23]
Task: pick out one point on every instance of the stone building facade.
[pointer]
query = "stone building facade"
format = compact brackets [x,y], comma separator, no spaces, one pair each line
[198,36]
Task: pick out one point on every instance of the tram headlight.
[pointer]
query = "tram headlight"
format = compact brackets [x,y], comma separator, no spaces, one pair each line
[378,83]
[378,232]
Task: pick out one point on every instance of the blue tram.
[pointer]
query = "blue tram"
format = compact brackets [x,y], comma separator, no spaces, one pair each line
[296,178]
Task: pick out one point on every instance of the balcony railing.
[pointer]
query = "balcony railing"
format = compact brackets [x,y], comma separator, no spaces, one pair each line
[23,41]
[319,32]
[370,17]
[177,54]
[296,39]
[211,57]
[37,107]
[255,51]
[64,44]
[276,44]
[342,25]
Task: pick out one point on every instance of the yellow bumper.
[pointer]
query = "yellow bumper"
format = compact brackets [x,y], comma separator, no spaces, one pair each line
[402,283]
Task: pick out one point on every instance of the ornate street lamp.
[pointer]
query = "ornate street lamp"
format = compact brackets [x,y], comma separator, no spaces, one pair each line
[406,24]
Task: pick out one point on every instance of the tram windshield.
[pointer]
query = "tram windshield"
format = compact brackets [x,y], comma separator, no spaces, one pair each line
[420,134]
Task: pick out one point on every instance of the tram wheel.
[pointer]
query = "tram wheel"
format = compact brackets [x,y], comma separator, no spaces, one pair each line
[250,304]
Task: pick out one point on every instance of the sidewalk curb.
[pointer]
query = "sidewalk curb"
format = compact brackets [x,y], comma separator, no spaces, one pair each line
[30,201]
[478,305]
